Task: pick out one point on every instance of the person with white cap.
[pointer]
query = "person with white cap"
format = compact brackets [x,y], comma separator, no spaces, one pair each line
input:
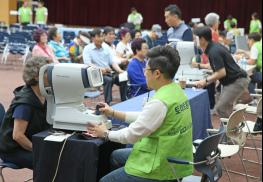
[153,35]
[77,45]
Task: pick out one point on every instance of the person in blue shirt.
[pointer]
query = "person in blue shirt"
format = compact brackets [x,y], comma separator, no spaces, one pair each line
[178,29]
[136,67]
[59,50]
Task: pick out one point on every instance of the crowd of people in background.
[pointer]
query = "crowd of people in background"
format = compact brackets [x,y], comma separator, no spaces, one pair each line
[50,43]
[129,53]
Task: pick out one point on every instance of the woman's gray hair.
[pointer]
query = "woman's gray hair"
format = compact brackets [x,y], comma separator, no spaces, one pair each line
[211,19]
[31,69]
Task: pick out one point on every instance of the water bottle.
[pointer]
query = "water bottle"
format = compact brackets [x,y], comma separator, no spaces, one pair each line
[243,63]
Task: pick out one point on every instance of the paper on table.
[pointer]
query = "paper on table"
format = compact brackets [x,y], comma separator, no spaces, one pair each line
[123,76]
[57,138]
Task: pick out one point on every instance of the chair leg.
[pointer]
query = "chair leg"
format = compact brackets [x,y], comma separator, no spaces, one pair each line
[1,175]
[255,147]
[227,172]
[243,164]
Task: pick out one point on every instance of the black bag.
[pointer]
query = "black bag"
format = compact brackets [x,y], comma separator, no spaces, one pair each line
[258,125]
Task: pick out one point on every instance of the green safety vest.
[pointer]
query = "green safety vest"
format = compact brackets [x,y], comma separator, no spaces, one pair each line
[148,158]
[254,26]
[133,18]
[41,15]
[227,23]
[25,14]
[259,61]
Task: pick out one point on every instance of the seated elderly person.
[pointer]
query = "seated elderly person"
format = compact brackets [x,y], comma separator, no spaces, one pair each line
[76,47]
[136,68]
[153,35]
[42,48]
[59,50]
[99,55]
[25,117]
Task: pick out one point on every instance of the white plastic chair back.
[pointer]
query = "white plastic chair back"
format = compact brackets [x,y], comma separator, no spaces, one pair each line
[234,127]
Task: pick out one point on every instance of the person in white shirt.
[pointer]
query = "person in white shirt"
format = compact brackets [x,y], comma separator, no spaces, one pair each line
[123,48]
[162,116]
[99,55]
[109,37]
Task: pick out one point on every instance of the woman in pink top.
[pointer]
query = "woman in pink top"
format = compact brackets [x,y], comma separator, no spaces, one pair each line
[42,48]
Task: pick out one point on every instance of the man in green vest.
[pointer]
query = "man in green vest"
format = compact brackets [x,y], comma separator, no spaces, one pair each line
[228,21]
[254,58]
[41,14]
[135,18]
[25,14]
[162,129]
[255,23]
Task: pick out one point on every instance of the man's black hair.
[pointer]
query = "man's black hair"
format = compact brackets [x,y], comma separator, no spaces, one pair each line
[204,32]
[164,58]
[255,36]
[95,32]
[108,29]
[137,45]
[255,15]
[174,9]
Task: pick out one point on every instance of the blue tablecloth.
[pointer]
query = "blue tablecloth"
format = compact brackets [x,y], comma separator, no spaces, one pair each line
[199,103]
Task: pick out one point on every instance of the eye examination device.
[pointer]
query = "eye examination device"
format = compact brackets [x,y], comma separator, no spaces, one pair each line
[64,85]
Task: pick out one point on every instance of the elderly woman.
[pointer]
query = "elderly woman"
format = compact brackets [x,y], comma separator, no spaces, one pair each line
[42,48]
[25,117]
[59,50]
[212,20]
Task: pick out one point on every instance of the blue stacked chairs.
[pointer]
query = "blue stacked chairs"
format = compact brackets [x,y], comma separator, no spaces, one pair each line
[30,28]
[17,44]
[3,41]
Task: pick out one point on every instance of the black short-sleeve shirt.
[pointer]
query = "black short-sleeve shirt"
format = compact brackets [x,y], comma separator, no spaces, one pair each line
[219,58]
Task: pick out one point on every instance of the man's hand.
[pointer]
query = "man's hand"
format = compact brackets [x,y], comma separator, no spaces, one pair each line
[200,84]
[97,130]
[194,64]
[105,70]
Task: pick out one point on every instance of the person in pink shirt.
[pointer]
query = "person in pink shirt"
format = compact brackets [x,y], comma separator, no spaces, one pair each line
[42,48]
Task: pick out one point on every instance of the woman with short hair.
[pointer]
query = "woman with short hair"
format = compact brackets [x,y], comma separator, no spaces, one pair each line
[42,48]
[25,117]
